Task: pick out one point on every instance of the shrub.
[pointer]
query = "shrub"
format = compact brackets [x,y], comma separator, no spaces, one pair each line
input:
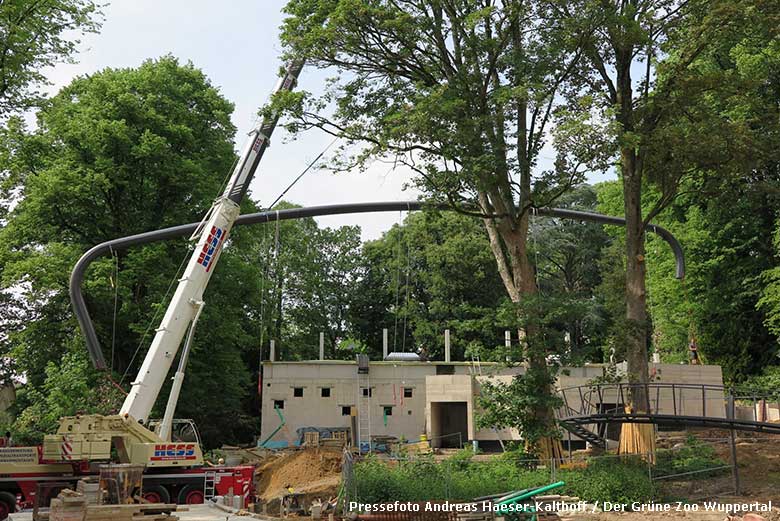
[694,456]
[617,480]
[460,478]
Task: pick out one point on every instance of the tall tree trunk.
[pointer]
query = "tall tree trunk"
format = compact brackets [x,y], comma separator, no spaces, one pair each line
[636,297]
[634,438]
[508,241]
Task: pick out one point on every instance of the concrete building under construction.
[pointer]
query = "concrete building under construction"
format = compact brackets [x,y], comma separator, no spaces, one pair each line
[409,398]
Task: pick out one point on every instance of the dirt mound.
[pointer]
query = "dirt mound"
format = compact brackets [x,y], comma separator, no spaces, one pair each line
[306,471]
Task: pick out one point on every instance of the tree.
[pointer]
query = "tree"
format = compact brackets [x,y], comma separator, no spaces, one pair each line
[120,152]
[567,255]
[35,35]
[308,283]
[462,94]
[669,125]
[433,272]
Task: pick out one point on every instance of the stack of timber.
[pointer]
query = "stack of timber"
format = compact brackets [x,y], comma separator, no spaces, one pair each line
[68,506]
[90,489]
[135,512]
[639,439]
[73,506]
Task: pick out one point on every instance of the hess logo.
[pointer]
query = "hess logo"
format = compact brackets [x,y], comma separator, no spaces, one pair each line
[174,451]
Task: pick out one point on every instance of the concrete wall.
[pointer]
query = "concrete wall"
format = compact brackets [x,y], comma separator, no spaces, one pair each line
[386,379]
[415,415]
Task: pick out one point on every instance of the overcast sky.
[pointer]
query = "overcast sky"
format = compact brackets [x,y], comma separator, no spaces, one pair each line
[236,44]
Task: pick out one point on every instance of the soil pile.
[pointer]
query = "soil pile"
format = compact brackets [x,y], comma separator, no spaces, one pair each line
[308,471]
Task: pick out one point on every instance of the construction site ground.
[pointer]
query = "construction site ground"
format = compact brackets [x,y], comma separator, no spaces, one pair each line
[315,473]
[193,513]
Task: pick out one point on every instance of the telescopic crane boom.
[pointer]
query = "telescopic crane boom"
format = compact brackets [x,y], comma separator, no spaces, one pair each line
[187,301]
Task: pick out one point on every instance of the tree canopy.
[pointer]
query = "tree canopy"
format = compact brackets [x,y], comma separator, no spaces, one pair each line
[33,36]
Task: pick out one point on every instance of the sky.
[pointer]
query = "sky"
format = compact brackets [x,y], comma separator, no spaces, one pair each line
[236,44]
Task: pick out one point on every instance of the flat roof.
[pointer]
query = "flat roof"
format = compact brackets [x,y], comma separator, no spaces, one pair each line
[403,362]
[376,362]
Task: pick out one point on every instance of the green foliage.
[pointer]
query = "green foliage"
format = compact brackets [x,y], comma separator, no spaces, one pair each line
[566,254]
[34,36]
[116,153]
[623,481]
[71,387]
[767,383]
[430,273]
[725,227]
[695,456]
[458,478]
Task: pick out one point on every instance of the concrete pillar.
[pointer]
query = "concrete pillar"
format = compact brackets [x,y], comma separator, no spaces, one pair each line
[385,343]
[272,354]
[322,346]
[446,345]
[507,338]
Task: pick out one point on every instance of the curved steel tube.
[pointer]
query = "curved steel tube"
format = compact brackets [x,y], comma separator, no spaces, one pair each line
[77,276]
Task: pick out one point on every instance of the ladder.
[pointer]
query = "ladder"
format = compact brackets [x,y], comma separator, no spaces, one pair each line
[476,367]
[209,484]
[364,404]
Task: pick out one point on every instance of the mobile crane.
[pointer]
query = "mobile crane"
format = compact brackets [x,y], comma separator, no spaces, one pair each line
[174,468]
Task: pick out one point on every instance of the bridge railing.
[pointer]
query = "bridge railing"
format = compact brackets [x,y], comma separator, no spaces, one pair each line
[668,399]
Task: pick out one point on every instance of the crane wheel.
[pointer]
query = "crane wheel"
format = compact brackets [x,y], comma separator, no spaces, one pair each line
[191,495]
[156,494]
[7,504]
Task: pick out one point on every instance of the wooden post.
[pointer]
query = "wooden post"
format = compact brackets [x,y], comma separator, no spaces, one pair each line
[733,443]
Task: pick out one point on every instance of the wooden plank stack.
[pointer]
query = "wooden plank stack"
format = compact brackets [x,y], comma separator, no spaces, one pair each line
[68,506]
[134,512]
[74,506]
[90,489]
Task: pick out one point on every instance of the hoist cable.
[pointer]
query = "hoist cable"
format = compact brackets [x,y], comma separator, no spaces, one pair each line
[156,313]
[115,283]
[406,303]
[308,167]
[397,282]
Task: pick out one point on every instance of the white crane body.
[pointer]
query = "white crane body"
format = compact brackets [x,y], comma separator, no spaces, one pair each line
[188,297]
[90,437]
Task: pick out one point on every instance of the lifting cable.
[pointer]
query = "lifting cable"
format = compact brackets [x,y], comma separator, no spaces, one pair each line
[397,281]
[308,167]
[406,303]
[115,283]
[156,313]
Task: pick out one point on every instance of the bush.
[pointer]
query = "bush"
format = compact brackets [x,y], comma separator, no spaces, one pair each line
[460,479]
[694,456]
[619,480]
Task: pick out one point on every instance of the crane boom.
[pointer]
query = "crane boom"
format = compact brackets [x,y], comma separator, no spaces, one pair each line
[211,236]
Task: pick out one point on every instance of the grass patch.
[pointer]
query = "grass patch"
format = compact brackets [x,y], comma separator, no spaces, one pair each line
[460,479]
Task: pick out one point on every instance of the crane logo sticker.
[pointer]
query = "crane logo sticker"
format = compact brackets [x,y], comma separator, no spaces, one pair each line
[174,451]
[211,247]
